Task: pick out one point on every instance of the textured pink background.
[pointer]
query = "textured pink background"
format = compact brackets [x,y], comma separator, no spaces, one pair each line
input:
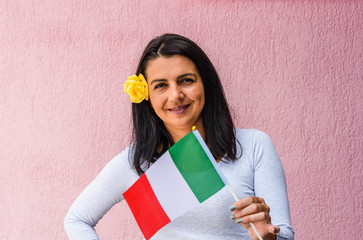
[290,68]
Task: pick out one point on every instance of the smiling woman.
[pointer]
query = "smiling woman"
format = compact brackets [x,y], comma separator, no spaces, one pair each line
[181,89]
[187,83]
[176,94]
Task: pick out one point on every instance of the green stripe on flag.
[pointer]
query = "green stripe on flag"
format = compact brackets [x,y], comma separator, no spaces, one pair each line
[196,168]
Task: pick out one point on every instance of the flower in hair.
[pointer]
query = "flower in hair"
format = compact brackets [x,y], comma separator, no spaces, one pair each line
[137,89]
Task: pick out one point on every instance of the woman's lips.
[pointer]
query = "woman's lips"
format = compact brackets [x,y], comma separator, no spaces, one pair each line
[179,109]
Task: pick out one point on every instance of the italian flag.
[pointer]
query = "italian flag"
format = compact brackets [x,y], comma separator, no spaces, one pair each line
[181,179]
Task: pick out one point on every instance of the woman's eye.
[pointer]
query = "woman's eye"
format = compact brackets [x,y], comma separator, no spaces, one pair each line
[188,80]
[160,85]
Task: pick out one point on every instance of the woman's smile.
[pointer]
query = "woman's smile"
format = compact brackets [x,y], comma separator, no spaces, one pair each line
[178,110]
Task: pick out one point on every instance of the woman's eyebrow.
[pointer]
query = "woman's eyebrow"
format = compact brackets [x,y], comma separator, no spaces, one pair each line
[187,74]
[157,80]
[179,77]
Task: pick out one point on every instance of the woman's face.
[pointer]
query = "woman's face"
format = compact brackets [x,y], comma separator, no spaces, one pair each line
[176,91]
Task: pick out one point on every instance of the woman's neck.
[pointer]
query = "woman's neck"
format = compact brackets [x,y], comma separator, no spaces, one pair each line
[179,133]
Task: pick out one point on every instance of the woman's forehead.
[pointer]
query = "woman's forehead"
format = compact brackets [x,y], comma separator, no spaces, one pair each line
[163,67]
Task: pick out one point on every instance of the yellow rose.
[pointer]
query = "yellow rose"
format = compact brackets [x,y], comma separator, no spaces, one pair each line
[136,88]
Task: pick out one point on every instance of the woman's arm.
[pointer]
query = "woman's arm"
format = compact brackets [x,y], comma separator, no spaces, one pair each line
[269,210]
[98,198]
[270,184]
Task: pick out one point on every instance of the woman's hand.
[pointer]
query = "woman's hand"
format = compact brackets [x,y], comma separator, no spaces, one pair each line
[254,210]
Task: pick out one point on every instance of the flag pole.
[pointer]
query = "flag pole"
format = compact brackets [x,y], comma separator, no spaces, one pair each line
[252,225]
[236,199]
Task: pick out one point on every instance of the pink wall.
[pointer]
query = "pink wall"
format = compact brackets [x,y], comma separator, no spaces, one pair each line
[290,68]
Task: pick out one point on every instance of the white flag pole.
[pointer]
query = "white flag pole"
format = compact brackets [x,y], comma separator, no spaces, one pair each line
[236,199]
[252,225]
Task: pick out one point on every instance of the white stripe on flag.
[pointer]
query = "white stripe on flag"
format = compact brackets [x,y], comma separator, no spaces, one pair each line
[172,191]
[210,156]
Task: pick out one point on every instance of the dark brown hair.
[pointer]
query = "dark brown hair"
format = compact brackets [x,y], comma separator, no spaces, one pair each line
[149,132]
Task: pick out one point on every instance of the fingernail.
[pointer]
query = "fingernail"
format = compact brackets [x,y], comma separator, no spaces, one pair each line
[239,220]
[232,217]
[232,207]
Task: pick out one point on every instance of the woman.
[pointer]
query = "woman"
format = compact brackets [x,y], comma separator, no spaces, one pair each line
[181,90]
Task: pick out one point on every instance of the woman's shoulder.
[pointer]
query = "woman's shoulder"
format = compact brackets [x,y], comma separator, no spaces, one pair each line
[253,140]
[120,167]
[123,160]
[256,144]
[254,135]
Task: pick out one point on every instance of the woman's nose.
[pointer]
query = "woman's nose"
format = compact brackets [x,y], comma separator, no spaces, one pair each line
[176,93]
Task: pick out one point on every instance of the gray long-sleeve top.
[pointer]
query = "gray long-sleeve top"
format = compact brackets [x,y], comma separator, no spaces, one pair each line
[258,172]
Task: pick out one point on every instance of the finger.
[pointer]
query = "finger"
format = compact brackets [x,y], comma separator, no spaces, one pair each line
[242,203]
[251,209]
[274,229]
[261,216]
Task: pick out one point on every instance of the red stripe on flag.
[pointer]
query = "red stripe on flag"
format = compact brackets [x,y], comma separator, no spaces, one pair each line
[149,214]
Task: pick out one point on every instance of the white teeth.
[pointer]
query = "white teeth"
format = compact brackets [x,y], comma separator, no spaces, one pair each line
[178,109]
